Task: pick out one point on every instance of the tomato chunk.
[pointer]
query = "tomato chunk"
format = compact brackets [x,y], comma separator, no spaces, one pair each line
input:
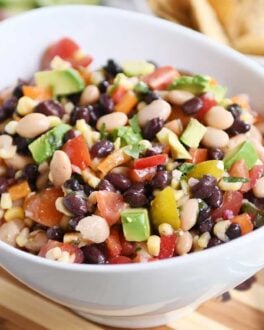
[167,246]
[118,94]
[255,173]
[198,155]
[151,161]
[208,103]
[143,175]
[77,151]
[120,260]
[232,201]
[244,222]
[40,207]
[161,77]
[240,169]
[110,205]
[113,244]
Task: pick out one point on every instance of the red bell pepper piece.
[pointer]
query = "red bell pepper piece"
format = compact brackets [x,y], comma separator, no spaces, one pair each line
[208,103]
[113,244]
[255,173]
[232,201]
[161,77]
[120,260]
[167,246]
[239,169]
[118,94]
[77,151]
[151,161]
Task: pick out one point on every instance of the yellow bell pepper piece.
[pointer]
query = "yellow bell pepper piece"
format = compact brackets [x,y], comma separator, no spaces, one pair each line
[164,209]
[210,167]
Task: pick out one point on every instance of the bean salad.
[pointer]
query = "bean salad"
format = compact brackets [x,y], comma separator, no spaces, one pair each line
[132,162]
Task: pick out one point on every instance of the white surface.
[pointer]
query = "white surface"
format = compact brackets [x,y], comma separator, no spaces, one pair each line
[146,290]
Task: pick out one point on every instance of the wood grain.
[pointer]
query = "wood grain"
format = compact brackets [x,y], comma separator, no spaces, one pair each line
[23,309]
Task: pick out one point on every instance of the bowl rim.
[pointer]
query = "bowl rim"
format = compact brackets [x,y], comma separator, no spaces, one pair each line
[171,262]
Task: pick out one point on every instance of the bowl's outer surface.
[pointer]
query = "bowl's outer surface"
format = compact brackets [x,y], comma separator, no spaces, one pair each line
[131,290]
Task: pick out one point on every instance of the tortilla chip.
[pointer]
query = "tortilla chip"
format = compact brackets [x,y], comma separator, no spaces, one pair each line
[206,20]
[250,44]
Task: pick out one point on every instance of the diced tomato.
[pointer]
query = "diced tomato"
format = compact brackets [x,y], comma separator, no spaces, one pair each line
[71,249]
[40,207]
[255,173]
[177,113]
[151,161]
[198,155]
[144,175]
[77,151]
[167,246]
[110,205]
[245,223]
[232,201]
[240,169]
[83,61]
[208,103]
[120,260]
[113,244]
[161,77]
[118,94]
[128,248]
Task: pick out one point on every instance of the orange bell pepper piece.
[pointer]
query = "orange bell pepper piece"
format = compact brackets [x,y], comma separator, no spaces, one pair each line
[37,92]
[127,103]
[116,158]
[198,155]
[19,190]
[244,222]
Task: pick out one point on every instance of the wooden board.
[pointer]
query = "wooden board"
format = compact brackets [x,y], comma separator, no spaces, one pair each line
[23,309]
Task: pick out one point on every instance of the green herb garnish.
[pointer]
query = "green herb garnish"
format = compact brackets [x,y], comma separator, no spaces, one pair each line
[185,168]
[135,150]
[103,133]
[234,179]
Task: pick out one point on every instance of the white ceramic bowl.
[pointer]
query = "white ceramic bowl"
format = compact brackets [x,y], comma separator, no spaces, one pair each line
[137,295]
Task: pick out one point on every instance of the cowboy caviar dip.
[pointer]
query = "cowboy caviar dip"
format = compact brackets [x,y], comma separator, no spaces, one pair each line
[129,163]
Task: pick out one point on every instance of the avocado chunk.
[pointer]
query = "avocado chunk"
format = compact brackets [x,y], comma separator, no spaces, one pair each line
[198,84]
[244,151]
[135,223]
[44,147]
[137,68]
[167,137]
[62,82]
[253,211]
[193,133]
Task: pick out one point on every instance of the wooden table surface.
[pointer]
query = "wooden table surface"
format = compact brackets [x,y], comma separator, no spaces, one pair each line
[23,309]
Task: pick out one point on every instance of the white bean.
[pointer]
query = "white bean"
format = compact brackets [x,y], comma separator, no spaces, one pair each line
[94,228]
[90,95]
[7,150]
[35,240]
[219,117]
[184,243]
[18,162]
[189,213]
[178,97]
[32,125]
[112,121]
[255,133]
[10,230]
[258,189]
[215,138]
[60,168]
[157,108]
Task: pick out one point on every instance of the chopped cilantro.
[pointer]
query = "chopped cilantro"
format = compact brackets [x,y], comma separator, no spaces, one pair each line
[103,133]
[185,168]
[135,150]
[234,179]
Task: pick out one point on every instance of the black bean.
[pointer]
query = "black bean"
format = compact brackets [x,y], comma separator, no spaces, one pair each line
[17,91]
[8,108]
[103,85]
[73,222]
[31,172]
[106,185]
[161,180]
[55,233]
[22,144]
[112,68]
[246,285]
[204,225]
[215,153]
[192,106]
[150,97]
[235,110]
[214,241]
[119,181]
[87,189]
[233,231]
[238,127]
[216,198]
[74,98]
[73,184]
[80,112]
[152,128]
[135,196]
[204,188]
[106,103]
[93,254]
[156,149]
[95,112]
[75,204]
[50,108]
[3,185]
[71,134]
[102,148]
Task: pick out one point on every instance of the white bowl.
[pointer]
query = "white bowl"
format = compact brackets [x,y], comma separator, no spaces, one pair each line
[137,295]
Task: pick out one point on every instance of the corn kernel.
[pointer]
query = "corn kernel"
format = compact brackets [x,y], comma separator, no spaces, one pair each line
[141,105]
[10,128]
[81,126]
[178,194]
[13,213]
[153,245]
[230,186]
[97,77]
[117,143]
[54,253]
[72,238]
[203,240]
[165,229]
[90,178]
[59,64]
[54,121]
[220,229]
[6,201]
[25,105]
[69,106]
[60,207]
[22,237]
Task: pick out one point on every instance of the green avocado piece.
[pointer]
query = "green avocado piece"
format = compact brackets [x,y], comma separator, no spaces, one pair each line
[193,133]
[253,211]
[62,82]
[135,223]
[44,147]
[65,2]
[198,84]
[137,68]
[244,151]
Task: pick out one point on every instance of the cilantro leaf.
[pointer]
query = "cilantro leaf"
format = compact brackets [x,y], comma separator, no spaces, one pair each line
[133,122]
[185,168]
[103,133]
[135,150]
[234,179]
